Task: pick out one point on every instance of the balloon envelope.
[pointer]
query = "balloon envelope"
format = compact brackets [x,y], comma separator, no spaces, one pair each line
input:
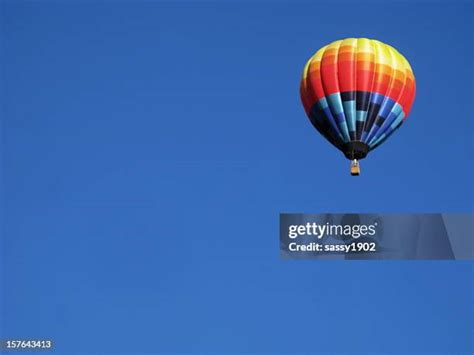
[357,92]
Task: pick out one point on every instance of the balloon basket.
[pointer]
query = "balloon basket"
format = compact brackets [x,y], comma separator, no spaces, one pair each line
[355,168]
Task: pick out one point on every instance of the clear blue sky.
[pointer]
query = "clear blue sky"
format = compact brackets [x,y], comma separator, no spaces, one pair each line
[149,147]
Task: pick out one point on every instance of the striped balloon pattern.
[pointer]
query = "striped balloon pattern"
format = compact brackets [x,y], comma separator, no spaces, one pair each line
[357,90]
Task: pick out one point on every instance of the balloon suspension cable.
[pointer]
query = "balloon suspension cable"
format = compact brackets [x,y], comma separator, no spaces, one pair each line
[355,168]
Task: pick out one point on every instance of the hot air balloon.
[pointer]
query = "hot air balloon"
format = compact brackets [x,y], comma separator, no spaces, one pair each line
[356,93]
